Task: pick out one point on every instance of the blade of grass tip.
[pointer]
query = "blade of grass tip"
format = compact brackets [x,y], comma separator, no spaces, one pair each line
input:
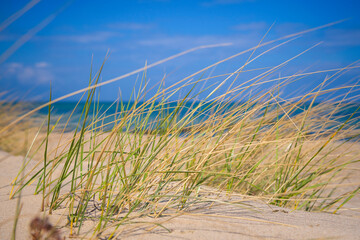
[45,152]
[247,61]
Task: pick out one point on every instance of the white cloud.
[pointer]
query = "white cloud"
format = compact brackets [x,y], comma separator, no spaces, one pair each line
[41,64]
[342,37]
[39,73]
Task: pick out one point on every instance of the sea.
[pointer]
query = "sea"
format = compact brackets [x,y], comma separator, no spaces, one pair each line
[104,115]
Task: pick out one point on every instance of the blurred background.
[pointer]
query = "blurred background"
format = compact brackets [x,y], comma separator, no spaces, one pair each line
[54,41]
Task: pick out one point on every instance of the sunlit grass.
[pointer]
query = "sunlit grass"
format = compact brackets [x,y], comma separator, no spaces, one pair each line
[154,154]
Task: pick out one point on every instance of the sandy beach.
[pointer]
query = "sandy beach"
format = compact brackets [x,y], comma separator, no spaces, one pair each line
[252,219]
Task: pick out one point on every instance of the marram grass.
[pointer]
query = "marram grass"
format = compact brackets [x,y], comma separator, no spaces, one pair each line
[248,140]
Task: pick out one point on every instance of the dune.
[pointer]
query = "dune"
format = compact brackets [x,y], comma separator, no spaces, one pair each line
[251,219]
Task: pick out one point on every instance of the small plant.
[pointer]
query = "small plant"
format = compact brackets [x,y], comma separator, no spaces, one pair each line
[41,229]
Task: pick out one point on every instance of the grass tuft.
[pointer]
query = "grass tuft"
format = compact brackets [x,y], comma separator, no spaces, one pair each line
[154,156]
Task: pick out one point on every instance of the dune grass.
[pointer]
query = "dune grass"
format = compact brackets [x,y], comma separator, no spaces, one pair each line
[154,155]
[17,139]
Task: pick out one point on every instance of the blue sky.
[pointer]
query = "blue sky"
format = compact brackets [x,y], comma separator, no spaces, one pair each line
[140,31]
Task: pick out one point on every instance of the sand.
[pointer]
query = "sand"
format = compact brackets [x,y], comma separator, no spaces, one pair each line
[215,221]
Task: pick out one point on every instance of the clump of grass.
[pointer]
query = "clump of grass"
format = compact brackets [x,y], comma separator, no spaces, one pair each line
[158,153]
[16,139]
